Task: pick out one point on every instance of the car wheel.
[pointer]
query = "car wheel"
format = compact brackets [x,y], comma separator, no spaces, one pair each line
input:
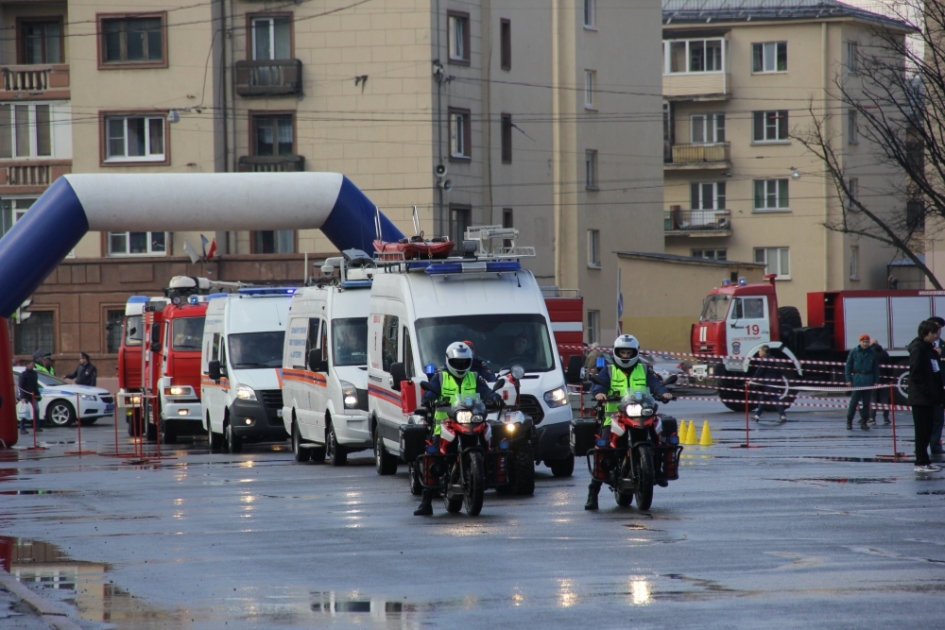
[334,451]
[60,413]
[384,462]
[234,443]
[215,439]
[562,467]
[302,455]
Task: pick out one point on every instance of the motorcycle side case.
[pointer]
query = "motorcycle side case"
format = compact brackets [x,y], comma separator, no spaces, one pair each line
[583,436]
[667,453]
[413,441]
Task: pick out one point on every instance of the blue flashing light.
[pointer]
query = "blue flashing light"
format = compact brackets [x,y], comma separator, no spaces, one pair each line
[139,299]
[429,369]
[674,439]
[742,282]
[418,266]
[431,449]
[192,300]
[504,266]
[214,296]
[503,445]
[726,282]
[600,364]
[356,284]
[443,269]
[267,291]
[601,442]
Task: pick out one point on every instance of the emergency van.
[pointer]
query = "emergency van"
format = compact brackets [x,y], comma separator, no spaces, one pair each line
[324,370]
[419,307]
[243,338]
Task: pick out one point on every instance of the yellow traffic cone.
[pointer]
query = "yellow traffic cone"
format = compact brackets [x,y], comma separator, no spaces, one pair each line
[683,431]
[706,439]
[691,433]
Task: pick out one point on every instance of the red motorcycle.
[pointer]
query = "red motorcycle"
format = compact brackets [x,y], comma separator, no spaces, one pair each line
[518,429]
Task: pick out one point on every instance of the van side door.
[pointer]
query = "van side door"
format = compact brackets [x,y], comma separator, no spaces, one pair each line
[318,340]
[296,395]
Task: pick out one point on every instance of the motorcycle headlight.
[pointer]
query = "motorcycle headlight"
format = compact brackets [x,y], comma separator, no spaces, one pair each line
[633,410]
[350,395]
[510,428]
[556,398]
[464,416]
[88,397]
[245,393]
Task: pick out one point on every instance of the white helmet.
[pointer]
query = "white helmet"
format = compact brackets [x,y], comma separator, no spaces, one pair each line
[459,358]
[630,348]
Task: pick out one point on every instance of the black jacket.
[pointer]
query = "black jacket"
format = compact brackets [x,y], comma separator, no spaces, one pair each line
[766,373]
[85,374]
[925,385]
[26,384]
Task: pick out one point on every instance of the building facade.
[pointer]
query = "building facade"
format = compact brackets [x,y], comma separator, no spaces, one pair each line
[740,85]
[524,114]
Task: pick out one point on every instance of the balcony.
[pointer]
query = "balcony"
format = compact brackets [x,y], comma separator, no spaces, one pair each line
[35,82]
[31,176]
[697,86]
[271,163]
[276,77]
[688,157]
[697,223]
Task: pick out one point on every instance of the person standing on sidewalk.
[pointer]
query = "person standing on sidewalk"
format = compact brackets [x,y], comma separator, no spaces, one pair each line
[938,414]
[880,396]
[862,370]
[925,391]
[27,388]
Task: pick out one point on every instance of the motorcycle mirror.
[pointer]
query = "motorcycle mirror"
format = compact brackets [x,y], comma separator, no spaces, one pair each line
[518,372]
[672,378]
[425,386]
[499,384]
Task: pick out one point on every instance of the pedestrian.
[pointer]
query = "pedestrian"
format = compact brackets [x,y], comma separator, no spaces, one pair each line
[925,391]
[27,389]
[861,371]
[85,373]
[44,362]
[590,361]
[880,396]
[764,377]
[938,414]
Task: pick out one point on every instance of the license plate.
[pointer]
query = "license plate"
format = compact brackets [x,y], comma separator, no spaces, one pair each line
[109,408]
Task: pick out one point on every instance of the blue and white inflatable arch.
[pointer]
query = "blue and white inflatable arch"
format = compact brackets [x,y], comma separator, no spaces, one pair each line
[76,204]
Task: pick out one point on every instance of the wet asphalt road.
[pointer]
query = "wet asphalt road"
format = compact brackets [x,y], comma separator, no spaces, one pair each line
[811,531]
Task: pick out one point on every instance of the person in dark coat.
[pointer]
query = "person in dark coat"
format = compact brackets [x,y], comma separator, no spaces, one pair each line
[766,373]
[925,391]
[880,396]
[85,373]
[27,388]
[862,370]
[938,414]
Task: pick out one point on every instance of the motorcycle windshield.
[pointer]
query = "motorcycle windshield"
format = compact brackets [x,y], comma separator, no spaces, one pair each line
[472,402]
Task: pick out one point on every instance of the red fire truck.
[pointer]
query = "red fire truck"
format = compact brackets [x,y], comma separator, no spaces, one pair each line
[738,318]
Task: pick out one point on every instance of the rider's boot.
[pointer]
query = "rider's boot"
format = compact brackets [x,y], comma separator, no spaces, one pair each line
[426,504]
[593,489]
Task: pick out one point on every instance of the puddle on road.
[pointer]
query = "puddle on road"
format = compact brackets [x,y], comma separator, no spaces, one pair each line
[17,492]
[852,480]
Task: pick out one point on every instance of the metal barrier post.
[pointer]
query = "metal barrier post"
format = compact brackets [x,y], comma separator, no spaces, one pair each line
[892,411]
[747,443]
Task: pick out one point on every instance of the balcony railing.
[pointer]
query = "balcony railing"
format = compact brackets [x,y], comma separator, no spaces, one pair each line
[275,77]
[697,86]
[677,221]
[31,175]
[43,81]
[694,156]
[271,163]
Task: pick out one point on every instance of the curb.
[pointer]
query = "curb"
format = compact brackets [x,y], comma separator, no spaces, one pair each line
[56,615]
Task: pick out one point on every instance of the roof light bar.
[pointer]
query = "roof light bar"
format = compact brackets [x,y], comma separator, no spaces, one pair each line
[449,268]
[356,284]
[267,291]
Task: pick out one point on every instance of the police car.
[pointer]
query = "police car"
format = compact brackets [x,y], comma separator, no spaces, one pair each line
[59,399]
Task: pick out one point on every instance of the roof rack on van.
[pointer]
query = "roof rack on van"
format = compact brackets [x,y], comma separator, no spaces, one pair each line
[355,270]
[487,235]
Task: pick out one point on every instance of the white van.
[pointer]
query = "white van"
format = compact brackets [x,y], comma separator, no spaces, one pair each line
[324,370]
[418,308]
[241,360]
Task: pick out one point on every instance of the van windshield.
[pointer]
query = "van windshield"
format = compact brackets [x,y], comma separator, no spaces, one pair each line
[349,341]
[188,334]
[133,331]
[500,340]
[256,350]
[715,308]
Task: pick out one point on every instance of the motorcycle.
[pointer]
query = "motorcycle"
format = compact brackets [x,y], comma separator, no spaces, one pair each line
[642,452]
[518,430]
[462,464]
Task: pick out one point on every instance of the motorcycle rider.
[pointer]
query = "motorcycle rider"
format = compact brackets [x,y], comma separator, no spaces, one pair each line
[478,365]
[448,386]
[627,374]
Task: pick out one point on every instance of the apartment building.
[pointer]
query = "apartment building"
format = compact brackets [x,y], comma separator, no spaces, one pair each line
[525,114]
[739,80]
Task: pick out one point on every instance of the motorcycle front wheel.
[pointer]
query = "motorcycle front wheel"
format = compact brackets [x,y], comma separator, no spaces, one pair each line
[453,502]
[646,475]
[474,483]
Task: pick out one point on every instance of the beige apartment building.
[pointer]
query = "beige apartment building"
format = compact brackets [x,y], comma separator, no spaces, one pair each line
[739,80]
[525,114]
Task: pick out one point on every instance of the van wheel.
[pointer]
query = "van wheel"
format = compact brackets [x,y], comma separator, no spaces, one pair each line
[234,443]
[562,467]
[384,462]
[302,455]
[334,451]
[215,439]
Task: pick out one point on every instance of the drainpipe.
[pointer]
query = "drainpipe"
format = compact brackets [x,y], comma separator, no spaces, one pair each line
[823,79]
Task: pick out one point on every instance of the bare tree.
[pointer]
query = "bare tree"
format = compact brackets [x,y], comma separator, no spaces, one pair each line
[899,102]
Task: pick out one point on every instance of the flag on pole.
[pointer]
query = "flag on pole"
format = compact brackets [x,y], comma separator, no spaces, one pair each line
[203,244]
[619,305]
[208,254]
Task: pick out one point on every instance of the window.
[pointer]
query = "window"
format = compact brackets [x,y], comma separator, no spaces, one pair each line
[12,210]
[853,132]
[853,186]
[134,331]
[274,135]
[507,222]
[693,55]
[272,38]
[769,57]
[853,57]
[311,341]
[590,13]
[593,326]
[707,195]
[707,128]
[36,333]
[137,243]
[458,37]
[135,139]
[113,320]
[137,40]
[776,260]
[506,138]
[459,222]
[460,134]
[25,130]
[710,254]
[590,169]
[505,38]
[593,249]
[590,86]
[273,242]
[349,341]
[770,126]
[854,262]
[771,194]
[915,215]
[41,42]
[389,341]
